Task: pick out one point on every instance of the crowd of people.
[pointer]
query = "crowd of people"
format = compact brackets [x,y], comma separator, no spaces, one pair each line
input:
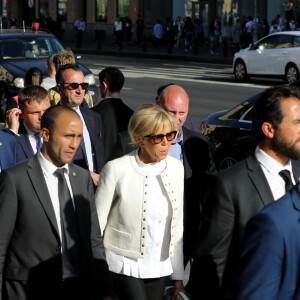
[104,202]
[190,34]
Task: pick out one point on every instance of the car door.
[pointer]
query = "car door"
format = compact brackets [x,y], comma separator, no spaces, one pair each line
[281,54]
[260,59]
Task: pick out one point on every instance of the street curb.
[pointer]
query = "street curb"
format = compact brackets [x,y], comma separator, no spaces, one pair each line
[162,56]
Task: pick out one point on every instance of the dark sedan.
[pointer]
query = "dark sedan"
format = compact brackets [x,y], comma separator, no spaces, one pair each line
[24,49]
[230,132]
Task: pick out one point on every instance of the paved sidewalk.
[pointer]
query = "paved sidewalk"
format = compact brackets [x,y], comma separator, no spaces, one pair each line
[146,49]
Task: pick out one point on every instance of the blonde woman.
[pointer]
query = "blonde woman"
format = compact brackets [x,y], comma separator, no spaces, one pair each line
[140,209]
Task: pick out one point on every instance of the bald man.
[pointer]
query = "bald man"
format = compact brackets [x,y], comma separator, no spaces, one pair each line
[193,150]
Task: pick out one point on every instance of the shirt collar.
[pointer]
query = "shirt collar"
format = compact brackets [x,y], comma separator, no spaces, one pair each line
[29,131]
[269,163]
[179,137]
[48,167]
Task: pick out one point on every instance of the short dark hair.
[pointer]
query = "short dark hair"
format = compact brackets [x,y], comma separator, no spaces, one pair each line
[33,76]
[267,107]
[113,77]
[59,76]
[32,93]
[51,114]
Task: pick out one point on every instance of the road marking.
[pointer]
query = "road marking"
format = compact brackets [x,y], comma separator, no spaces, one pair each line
[198,75]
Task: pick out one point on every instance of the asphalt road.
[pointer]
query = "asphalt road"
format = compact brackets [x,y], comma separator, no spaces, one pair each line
[211,87]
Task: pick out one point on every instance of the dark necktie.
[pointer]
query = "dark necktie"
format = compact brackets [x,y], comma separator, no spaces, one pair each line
[38,141]
[69,228]
[286,175]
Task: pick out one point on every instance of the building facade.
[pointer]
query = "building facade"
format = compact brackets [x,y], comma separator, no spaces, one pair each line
[100,14]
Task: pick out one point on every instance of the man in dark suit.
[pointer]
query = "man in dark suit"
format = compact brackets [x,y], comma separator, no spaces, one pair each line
[71,86]
[193,150]
[237,193]
[25,122]
[115,114]
[38,241]
[269,260]
[8,148]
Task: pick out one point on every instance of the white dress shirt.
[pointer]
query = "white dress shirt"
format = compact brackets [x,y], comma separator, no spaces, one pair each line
[32,139]
[87,143]
[271,169]
[52,183]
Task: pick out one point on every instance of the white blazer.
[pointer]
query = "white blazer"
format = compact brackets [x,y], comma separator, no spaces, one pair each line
[121,202]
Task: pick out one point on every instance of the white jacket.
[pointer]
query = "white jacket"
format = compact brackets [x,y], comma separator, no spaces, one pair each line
[121,201]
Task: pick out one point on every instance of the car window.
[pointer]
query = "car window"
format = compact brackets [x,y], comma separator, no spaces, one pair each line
[284,41]
[267,43]
[296,41]
[29,47]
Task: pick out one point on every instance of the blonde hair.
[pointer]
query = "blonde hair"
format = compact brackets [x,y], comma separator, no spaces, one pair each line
[148,120]
[64,57]
[50,65]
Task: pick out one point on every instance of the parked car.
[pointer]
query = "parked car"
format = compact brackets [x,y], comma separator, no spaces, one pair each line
[23,49]
[276,55]
[230,133]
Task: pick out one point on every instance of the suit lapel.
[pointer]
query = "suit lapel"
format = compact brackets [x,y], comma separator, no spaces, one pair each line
[296,174]
[259,180]
[25,145]
[39,185]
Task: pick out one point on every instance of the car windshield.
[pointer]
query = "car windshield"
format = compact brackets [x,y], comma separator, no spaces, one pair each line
[28,47]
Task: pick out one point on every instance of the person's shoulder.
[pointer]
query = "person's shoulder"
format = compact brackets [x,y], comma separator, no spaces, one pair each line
[190,135]
[238,170]
[6,137]
[90,112]
[75,169]
[174,162]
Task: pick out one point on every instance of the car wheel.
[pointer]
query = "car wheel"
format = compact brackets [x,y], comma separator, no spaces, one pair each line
[3,102]
[240,71]
[226,157]
[291,73]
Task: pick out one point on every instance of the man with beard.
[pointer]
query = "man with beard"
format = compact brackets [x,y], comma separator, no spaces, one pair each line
[239,192]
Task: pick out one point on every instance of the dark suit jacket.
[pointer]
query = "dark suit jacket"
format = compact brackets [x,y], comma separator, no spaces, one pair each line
[115,117]
[30,248]
[24,149]
[7,150]
[94,126]
[269,266]
[198,167]
[234,196]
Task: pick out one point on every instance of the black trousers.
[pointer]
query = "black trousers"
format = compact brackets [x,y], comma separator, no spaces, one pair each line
[130,288]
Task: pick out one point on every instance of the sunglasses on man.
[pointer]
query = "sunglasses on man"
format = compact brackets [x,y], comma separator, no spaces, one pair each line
[75,85]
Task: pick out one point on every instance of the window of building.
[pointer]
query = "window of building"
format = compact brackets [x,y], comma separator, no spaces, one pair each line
[101,10]
[123,8]
[43,7]
[62,8]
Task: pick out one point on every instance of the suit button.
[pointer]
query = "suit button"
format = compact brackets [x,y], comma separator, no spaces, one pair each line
[57,248]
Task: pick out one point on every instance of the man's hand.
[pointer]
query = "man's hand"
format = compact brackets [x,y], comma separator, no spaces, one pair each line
[96,178]
[12,119]
[178,287]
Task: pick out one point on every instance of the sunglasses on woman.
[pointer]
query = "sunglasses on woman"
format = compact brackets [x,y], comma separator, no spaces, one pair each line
[158,138]
[75,85]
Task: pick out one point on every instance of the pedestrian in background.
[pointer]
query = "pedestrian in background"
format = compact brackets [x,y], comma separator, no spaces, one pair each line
[140,26]
[158,33]
[119,32]
[115,114]
[79,27]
